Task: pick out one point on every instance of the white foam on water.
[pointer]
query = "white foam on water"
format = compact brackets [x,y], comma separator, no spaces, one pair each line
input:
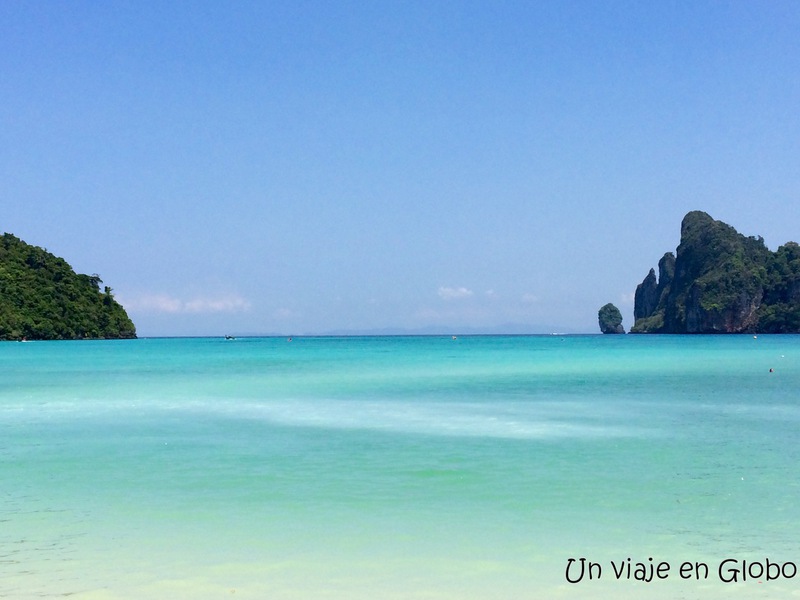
[515,419]
[438,419]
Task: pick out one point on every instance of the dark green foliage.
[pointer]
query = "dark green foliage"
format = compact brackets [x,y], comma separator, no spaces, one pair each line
[42,298]
[723,282]
[610,319]
[780,311]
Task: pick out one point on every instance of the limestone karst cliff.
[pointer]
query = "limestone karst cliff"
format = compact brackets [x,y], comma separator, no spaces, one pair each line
[720,281]
[610,319]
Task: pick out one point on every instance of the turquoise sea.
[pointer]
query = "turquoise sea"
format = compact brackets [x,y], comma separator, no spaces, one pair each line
[398,467]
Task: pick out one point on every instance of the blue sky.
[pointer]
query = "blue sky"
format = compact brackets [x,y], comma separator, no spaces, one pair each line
[314,167]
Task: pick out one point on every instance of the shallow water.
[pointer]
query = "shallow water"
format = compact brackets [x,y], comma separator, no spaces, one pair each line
[395,467]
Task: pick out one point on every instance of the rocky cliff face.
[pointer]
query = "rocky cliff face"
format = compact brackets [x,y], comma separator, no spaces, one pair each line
[645,300]
[652,292]
[610,319]
[720,281]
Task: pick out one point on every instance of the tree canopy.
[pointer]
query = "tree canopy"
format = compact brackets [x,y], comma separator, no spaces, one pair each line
[610,319]
[42,298]
[721,281]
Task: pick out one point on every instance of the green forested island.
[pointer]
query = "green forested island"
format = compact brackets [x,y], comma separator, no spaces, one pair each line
[610,319]
[720,281]
[42,298]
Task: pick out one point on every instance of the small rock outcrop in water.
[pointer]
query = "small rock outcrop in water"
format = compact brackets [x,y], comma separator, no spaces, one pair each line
[42,298]
[720,281]
[610,319]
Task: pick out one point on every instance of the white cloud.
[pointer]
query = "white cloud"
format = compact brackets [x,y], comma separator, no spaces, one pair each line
[530,298]
[448,293]
[214,305]
[164,303]
[152,303]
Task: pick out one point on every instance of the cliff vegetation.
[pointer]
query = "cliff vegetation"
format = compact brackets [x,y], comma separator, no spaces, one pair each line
[720,281]
[42,298]
[610,319]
